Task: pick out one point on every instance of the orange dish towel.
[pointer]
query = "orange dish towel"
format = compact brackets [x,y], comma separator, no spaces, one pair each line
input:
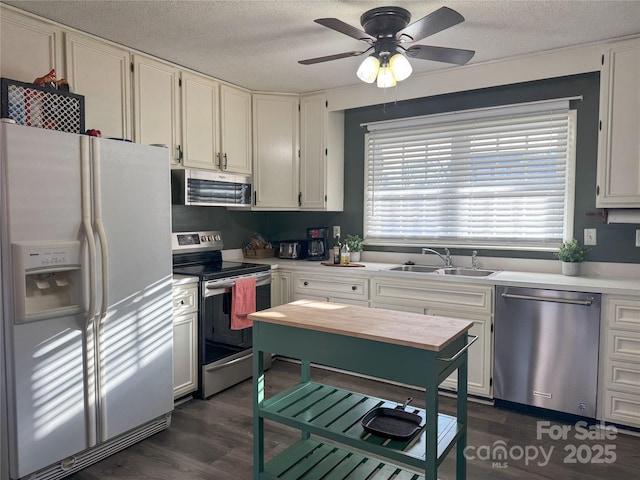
[243,302]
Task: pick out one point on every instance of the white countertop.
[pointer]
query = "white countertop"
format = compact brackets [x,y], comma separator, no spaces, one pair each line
[184,279]
[613,284]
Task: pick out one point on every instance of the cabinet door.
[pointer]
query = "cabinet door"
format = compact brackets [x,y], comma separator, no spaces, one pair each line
[313,167]
[275,147]
[185,373]
[619,149]
[321,155]
[156,95]
[101,72]
[479,355]
[200,114]
[28,48]
[235,129]
[280,288]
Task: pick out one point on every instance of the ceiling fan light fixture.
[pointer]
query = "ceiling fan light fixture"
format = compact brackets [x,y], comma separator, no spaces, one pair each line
[385,78]
[400,67]
[368,69]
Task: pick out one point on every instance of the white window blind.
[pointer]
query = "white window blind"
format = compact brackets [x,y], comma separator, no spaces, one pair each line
[495,177]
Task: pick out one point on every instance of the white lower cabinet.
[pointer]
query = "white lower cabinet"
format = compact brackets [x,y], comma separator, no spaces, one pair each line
[446,299]
[280,288]
[185,337]
[331,288]
[620,360]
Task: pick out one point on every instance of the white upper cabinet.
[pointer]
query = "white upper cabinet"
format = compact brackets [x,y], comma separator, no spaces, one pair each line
[235,129]
[156,104]
[200,122]
[29,48]
[619,147]
[321,155]
[276,168]
[286,177]
[216,125]
[102,73]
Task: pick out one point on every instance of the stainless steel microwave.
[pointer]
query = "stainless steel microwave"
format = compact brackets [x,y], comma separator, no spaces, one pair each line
[212,189]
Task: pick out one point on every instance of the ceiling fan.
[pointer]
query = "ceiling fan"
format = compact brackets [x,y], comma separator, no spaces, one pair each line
[386,30]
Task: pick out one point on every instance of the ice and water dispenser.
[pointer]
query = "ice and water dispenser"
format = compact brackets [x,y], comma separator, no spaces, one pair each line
[48,280]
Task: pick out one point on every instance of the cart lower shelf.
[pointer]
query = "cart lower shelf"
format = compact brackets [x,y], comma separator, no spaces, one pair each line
[314,460]
[335,414]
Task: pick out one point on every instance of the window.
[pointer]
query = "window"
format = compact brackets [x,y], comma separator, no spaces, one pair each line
[499,177]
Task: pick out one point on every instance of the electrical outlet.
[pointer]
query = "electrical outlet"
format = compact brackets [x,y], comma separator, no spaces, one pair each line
[336,230]
[638,238]
[590,236]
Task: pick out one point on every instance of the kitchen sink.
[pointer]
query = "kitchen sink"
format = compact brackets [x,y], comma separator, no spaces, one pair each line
[466,272]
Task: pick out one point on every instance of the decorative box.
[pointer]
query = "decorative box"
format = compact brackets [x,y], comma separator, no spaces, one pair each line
[42,107]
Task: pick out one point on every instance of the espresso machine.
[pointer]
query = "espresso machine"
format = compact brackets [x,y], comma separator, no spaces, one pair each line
[317,243]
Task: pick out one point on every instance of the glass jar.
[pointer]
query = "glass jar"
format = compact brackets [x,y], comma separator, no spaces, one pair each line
[344,254]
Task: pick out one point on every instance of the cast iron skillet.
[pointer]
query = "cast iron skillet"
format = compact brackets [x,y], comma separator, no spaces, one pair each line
[393,423]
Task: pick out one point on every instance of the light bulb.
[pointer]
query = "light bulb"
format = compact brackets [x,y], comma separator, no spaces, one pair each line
[385,78]
[368,69]
[400,67]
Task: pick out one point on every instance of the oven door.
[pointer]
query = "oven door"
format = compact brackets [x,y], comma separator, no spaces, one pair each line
[225,354]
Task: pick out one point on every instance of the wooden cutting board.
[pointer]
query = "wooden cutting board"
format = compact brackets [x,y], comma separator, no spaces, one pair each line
[330,264]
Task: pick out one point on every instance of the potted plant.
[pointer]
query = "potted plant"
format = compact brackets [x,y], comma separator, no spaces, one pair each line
[571,254]
[356,245]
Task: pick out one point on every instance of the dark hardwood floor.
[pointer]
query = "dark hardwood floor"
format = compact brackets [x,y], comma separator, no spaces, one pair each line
[212,439]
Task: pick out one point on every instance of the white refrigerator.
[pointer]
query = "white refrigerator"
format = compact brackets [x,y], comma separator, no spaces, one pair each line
[85,248]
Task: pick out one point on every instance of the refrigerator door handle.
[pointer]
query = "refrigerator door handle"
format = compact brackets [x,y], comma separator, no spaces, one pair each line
[86,222]
[97,218]
[90,331]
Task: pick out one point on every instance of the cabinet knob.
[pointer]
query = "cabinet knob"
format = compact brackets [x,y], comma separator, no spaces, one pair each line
[354,288]
[306,284]
[181,302]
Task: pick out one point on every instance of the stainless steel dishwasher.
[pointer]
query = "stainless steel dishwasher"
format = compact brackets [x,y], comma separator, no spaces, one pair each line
[546,349]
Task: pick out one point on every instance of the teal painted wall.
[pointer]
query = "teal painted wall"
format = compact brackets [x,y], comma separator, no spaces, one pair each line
[616,243]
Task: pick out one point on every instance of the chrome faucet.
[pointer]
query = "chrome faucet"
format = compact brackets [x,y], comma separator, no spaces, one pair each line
[446,258]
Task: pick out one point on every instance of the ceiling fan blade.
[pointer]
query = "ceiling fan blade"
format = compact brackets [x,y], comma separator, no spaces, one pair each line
[440,54]
[435,22]
[311,61]
[340,26]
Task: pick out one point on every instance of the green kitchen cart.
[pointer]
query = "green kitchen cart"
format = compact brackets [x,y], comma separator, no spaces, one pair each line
[409,348]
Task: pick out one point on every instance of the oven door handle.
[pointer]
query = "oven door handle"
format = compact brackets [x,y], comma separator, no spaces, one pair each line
[261,280]
[213,368]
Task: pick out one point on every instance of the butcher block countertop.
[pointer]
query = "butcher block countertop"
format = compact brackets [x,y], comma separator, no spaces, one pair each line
[401,328]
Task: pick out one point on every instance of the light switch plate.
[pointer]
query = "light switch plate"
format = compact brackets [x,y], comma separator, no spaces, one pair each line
[590,236]
[336,230]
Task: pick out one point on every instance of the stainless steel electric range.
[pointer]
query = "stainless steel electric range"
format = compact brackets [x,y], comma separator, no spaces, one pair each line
[224,355]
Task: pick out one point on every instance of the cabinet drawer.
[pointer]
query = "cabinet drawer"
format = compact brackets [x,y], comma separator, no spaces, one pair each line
[623,312]
[623,408]
[331,286]
[623,376]
[624,345]
[185,300]
[441,294]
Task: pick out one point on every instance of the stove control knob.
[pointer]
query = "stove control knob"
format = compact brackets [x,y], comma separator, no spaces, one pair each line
[217,237]
[210,237]
[203,238]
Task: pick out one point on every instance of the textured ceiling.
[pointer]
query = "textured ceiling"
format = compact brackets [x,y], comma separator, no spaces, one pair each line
[256,44]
